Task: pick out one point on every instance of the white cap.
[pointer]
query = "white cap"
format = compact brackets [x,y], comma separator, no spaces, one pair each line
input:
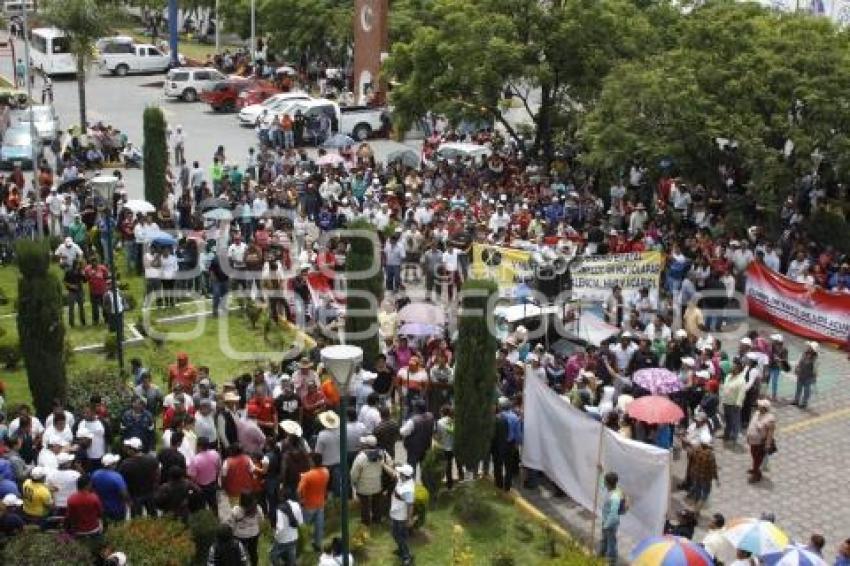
[681,333]
[753,356]
[84,433]
[626,334]
[110,459]
[10,499]
[64,458]
[688,361]
[746,341]
[369,440]
[405,470]
[119,558]
[813,346]
[776,337]
[703,374]
[134,443]
[38,473]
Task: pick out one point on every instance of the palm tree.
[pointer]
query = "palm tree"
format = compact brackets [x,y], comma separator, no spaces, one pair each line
[83,22]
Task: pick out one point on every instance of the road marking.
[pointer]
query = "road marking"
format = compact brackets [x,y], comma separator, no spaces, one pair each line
[814,421]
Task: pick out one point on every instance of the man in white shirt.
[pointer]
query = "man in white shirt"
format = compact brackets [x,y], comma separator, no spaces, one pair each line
[63,481]
[53,202]
[500,220]
[401,511]
[69,211]
[48,456]
[97,443]
[623,351]
[289,518]
[369,414]
[68,253]
[797,267]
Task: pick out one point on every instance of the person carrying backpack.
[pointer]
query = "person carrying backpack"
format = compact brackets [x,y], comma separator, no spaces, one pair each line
[289,518]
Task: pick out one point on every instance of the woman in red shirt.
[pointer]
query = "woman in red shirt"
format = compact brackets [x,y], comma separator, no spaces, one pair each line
[237,473]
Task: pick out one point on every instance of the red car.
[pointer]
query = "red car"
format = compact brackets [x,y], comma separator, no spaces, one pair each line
[256,94]
[223,97]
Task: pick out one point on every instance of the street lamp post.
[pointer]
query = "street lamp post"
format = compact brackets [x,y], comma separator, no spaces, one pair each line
[253,31]
[172,33]
[104,186]
[341,362]
[33,130]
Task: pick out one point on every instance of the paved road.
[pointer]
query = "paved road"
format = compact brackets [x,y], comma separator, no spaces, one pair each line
[806,481]
[120,102]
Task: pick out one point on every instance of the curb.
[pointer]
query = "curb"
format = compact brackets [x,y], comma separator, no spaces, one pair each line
[531,510]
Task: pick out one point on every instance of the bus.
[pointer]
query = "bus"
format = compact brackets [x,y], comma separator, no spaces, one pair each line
[50,52]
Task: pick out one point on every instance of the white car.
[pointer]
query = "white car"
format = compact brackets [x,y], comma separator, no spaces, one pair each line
[251,115]
[45,119]
[122,58]
[187,83]
[358,122]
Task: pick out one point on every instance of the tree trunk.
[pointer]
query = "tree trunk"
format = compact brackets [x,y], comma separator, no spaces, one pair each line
[543,135]
[81,90]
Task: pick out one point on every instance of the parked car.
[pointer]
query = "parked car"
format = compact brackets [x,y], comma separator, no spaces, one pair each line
[359,122]
[256,94]
[122,58]
[250,115]
[187,83]
[17,148]
[108,44]
[224,96]
[44,117]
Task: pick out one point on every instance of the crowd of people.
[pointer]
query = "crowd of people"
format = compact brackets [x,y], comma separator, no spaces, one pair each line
[264,446]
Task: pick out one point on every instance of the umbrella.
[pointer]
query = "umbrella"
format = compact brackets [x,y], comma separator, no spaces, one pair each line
[213,202]
[407,157]
[337,141]
[331,159]
[218,214]
[793,555]
[137,206]
[424,313]
[162,239]
[669,551]
[419,329]
[654,409]
[658,381]
[756,536]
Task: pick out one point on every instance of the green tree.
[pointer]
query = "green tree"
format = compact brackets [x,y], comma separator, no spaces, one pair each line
[475,372]
[83,22]
[155,154]
[363,293]
[40,326]
[464,54]
[737,72]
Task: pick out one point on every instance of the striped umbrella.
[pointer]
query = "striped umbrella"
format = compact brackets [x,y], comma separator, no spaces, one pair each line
[755,536]
[669,551]
[793,555]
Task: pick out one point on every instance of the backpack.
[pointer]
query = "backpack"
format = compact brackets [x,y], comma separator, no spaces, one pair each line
[624,503]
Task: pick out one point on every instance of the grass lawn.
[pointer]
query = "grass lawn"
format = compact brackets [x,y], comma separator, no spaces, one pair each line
[506,532]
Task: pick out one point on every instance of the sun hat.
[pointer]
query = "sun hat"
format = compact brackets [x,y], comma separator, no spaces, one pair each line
[231,397]
[10,499]
[135,443]
[110,459]
[369,440]
[681,333]
[291,427]
[763,403]
[405,470]
[329,419]
[305,363]
[813,346]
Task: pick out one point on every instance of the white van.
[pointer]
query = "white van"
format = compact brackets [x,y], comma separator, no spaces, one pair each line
[51,53]
[187,83]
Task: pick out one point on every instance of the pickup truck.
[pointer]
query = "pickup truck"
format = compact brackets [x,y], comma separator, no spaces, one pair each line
[123,58]
[223,96]
[359,122]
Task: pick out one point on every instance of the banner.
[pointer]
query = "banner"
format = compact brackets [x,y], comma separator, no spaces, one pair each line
[593,277]
[563,443]
[505,266]
[809,312]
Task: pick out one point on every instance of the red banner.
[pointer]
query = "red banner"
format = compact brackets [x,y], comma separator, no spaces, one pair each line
[809,312]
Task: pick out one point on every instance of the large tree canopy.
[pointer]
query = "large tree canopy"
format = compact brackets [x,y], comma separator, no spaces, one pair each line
[465,53]
[737,72]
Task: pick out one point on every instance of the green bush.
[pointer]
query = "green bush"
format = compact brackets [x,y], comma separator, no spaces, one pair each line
[10,353]
[432,469]
[472,505]
[154,155]
[34,548]
[503,556]
[106,382]
[421,504]
[153,542]
[110,346]
[4,299]
[364,293]
[203,526]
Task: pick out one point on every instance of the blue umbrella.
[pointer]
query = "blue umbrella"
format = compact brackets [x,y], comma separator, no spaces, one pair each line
[162,239]
[337,141]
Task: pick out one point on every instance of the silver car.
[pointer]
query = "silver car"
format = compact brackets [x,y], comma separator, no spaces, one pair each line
[44,117]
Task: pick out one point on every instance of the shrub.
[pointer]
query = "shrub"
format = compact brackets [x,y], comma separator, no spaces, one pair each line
[153,542]
[155,155]
[110,346]
[4,299]
[359,545]
[203,526]
[34,548]
[503,556]
[103,380]
[40,328]
[421,499]
[432,473]
[472,505]
[361,330]
[10,353]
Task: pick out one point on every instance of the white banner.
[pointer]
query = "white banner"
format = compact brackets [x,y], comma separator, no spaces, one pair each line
[563,443]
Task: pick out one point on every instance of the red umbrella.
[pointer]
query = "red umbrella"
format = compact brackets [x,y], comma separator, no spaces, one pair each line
[654,409]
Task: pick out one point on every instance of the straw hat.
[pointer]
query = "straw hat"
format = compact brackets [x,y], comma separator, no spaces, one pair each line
[329,420]
[291,427]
